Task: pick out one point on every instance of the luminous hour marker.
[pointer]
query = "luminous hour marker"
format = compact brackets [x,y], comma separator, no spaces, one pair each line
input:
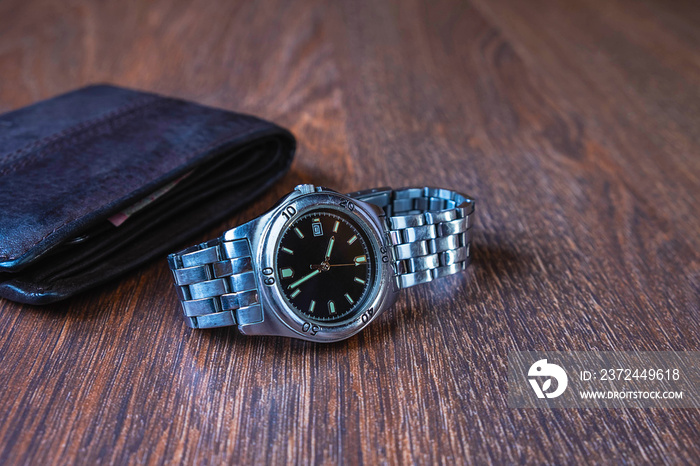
[352,240]
[298,232]
[335,227]
[288,251]
[360,260]
[312,306]
[287,273]
[296,292]
[347,296]
[331,307]
[359,280]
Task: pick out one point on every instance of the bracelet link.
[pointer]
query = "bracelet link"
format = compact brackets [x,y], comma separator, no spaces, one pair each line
[216,284]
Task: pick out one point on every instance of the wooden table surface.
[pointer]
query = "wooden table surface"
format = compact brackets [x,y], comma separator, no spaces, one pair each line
[575,124]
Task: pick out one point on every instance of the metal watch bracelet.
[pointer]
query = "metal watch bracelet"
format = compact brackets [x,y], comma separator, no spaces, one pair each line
[428,229]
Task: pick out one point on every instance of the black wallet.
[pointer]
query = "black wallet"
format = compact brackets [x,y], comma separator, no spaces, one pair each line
[98,181]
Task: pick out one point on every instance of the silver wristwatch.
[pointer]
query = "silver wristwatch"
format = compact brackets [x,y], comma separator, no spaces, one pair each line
[321,265]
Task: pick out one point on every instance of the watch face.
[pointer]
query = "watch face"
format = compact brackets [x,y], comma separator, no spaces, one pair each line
[325,266]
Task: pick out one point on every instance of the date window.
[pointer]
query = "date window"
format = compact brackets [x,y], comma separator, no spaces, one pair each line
[316,227]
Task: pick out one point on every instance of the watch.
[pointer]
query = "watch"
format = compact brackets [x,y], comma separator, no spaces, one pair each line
[321,265]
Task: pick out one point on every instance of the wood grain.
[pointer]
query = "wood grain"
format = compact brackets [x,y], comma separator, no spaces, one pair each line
[576,125]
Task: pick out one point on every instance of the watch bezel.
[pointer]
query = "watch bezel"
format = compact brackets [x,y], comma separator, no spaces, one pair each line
[272,296]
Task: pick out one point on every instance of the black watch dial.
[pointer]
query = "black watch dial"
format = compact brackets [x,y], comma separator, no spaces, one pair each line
[325,266]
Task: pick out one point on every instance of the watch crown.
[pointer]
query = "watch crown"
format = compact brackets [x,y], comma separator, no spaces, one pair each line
[305,188]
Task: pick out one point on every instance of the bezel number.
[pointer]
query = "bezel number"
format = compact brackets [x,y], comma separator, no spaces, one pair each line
[289,212]
[311,329]
[347,204]
[268,279]
[385,255]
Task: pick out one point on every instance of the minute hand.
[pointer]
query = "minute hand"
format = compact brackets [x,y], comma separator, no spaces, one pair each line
[303,279]
[330,248]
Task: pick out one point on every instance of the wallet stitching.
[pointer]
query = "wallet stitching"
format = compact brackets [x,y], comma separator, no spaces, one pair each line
[205,149]
[74,134]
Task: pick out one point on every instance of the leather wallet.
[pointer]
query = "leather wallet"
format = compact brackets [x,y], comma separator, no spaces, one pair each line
[95,182]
